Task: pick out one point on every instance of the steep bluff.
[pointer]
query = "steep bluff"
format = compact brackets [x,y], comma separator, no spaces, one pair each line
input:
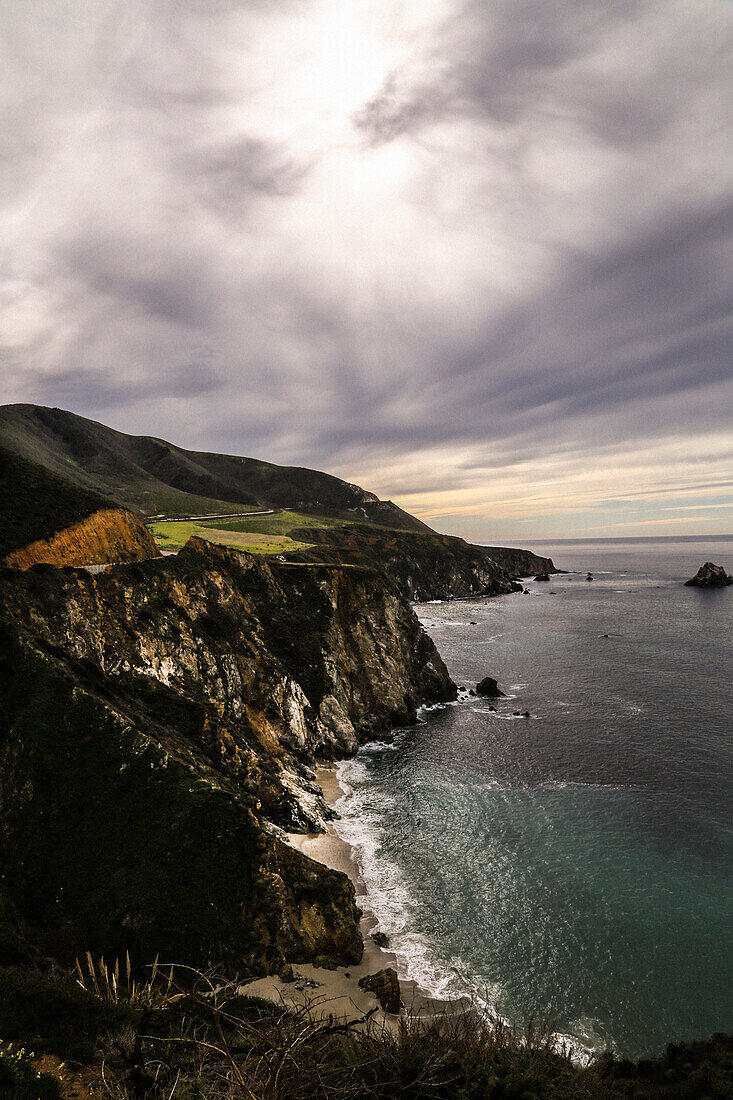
[157,727]
[108,535]
[427,566]
[519,563]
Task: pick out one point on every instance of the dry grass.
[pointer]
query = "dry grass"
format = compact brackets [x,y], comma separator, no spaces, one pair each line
[201,1036]
[196,1036]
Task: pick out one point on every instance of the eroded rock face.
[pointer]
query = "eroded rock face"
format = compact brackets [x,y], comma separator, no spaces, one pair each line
[710,576]
[157,726]
[108,535]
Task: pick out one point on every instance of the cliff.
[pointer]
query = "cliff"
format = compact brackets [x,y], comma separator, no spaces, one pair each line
[157,727]
[108,535]
[519,563]
[425,566]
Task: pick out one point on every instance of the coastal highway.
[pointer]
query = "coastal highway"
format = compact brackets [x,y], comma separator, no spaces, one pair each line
[213,515]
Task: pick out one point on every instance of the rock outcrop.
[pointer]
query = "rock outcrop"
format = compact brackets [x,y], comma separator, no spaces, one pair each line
[157,727]
[386,988]
[710,576]
[109,535]
[489,687]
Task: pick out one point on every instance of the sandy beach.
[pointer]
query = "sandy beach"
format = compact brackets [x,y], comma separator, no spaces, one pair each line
[337,991]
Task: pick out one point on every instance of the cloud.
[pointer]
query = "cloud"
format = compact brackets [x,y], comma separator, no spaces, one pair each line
[476,256]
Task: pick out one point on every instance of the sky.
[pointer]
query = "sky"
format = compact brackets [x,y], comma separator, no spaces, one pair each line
[475,255]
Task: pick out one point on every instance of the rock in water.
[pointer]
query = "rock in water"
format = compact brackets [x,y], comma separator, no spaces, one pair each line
[710,576]
[381,939]
[386,988]
[542,577]
[489,687]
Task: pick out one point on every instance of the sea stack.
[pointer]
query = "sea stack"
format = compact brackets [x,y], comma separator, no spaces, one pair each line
[710,576]
[489,687]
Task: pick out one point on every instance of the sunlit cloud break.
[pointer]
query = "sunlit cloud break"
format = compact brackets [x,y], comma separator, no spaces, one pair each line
[474,255]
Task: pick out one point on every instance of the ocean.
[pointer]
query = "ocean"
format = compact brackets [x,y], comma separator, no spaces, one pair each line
[574,868]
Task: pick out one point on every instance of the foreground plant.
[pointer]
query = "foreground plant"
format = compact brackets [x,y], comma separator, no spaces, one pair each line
[19,1080]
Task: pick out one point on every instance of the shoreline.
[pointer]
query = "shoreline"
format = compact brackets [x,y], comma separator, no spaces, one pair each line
[337,991]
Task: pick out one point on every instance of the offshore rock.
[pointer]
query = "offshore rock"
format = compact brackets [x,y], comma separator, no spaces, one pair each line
[157,727]
[386,988]
[710,576]
[489,687]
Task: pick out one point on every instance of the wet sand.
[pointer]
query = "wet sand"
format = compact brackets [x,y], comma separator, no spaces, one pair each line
[338,991]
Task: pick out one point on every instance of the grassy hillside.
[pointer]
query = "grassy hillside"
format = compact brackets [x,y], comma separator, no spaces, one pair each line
[153,477]
[258,534]
[174,534]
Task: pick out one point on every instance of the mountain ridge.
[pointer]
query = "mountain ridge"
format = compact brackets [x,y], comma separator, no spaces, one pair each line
[150,475]
[59,470]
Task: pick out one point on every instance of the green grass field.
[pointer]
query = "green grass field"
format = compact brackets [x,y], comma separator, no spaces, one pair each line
[174,535]
[281,523]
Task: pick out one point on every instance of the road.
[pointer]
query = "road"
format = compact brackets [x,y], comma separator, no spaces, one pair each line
[215,515]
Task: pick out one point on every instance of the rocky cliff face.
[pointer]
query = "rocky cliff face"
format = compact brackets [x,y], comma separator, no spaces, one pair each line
[108,535]
[157,727]
[519,563]
[427,566]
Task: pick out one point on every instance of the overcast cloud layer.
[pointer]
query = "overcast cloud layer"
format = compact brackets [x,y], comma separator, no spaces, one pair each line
[474,255]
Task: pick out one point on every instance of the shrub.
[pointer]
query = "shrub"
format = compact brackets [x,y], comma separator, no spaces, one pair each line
[20,1081]
[56,1015]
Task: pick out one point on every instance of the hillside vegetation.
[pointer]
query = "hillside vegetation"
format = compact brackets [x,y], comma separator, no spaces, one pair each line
[257,534]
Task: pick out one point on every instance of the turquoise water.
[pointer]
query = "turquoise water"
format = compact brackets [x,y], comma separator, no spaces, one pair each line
[576,865]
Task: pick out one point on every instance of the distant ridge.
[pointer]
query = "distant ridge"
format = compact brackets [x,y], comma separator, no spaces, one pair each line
[152,476]
[68,486]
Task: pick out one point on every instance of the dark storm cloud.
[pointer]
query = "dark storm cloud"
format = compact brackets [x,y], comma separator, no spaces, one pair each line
[432,246]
